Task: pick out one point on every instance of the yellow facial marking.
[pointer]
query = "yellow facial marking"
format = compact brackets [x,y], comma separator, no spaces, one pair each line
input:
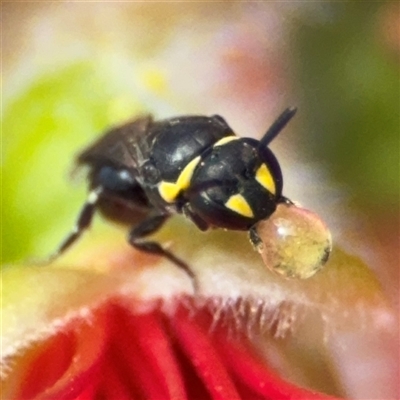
[225,140]
[264,178]
[238,204]
[170,190]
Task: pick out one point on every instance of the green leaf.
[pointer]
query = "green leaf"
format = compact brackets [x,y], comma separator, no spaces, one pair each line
[45,124]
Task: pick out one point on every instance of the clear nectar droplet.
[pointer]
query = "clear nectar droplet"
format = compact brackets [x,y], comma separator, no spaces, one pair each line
[293,242]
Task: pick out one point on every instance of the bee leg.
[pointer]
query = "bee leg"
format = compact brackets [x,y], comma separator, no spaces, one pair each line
[149,226]
[196,219]
[84,219]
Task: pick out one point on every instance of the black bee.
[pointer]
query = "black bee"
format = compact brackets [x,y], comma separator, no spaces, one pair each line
[191,165]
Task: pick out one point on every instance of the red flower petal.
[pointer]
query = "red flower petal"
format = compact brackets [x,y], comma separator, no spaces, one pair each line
[124,355]
[208,365]
[228,367]
[60,367]
[259,379]
[141,350]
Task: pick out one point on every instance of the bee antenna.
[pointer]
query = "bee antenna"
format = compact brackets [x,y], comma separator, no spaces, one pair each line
[277,126]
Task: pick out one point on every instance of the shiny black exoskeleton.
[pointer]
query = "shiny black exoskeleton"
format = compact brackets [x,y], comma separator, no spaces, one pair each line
[193,165]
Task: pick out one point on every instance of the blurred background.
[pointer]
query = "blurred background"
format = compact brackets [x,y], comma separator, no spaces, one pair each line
[70,70]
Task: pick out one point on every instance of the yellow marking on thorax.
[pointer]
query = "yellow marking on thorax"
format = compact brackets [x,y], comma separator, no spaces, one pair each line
[264,178]
[238,204]
[170,190]
[225,140]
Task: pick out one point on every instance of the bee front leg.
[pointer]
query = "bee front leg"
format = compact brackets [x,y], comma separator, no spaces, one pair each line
[196,219]
[149,226]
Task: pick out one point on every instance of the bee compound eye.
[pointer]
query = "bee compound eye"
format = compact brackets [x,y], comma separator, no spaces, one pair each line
[292,242]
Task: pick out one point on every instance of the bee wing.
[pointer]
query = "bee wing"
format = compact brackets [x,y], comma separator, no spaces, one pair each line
[124,147]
